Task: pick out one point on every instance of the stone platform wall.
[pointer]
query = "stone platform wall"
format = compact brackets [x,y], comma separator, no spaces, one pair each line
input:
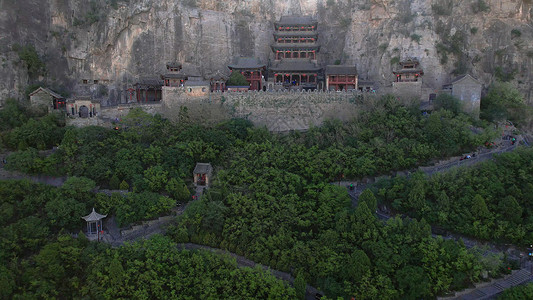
[278,111]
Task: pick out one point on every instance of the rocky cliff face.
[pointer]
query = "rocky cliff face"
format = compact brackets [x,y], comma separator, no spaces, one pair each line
[119,41]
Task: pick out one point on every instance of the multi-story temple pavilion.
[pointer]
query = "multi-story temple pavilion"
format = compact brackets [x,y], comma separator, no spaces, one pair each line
[409,71]
[252,69]
[295,52]
[408,79]
[174,77]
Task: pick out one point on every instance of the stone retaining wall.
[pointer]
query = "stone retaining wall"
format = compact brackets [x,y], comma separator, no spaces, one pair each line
[278,111]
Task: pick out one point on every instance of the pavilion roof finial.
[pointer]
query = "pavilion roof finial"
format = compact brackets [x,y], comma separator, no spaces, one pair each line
[93,216]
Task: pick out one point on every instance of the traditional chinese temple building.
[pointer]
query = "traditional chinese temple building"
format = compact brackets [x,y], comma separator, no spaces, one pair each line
[408,79]
[409,71]
[218,82]
[46,100]
[341,78]
[174,77]
[148,90]
[295,52]
[83,106]
[252,69]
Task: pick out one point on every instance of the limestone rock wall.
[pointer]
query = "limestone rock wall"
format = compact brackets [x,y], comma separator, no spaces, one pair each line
[118,41]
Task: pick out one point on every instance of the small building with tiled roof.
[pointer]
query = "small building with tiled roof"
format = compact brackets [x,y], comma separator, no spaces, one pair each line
[408,79]
[218,81]
[202,174]
[468,90]
[148,89]
[45,100]
[341,77]
[173,77]
[409,71]
[251,68]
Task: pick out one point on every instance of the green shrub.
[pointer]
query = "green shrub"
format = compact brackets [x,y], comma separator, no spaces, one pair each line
[516,33]
[29,55]
[416,37]
[124,185]
[395,60]
[190,3]
[473,30]
[448,102]
[504,75]
[237,79]
[442,7]
[480,6]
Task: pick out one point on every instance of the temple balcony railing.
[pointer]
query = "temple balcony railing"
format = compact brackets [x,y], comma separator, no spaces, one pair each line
[252,77]
[295,45]
[407,80]
[341,81]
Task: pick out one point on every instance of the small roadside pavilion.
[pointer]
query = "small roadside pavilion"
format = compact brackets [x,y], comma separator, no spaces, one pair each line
[94,223]
[202,174]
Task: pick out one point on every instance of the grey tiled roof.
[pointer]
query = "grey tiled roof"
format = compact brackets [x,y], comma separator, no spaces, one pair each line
[203,168]
[246,63]
[296,20]
[340,70]
[174,76]
[150,81]
[459,78]
[51,93]
[173,65]
[294,65]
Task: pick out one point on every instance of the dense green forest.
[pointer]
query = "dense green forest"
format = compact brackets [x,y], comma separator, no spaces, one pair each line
[493,201]
[70,268]
[271,201]
[522,292]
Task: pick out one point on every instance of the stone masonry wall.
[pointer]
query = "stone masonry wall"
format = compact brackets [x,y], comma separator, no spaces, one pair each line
[278,111]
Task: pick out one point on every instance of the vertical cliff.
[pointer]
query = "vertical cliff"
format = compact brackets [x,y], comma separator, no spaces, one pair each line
[118,41]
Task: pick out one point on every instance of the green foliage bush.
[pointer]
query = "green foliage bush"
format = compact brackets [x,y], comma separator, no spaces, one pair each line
[29,55]
[480,6]
[518,292]
[237,79]
[503,102]
[516,33]
[416,37]
[442,7]
[448,102]
[12,115]
[43,133]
